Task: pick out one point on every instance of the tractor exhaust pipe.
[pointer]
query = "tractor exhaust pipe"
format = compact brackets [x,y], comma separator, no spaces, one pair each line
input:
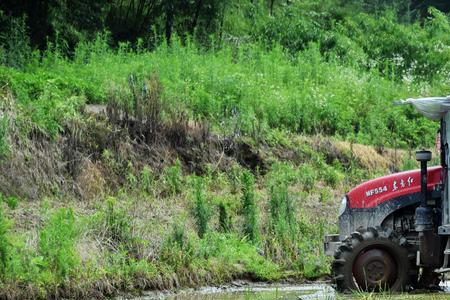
[429,242]
[424,157]
[424,213]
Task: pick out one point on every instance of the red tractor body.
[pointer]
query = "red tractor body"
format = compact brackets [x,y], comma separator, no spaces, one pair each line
[394,231]
[378,191]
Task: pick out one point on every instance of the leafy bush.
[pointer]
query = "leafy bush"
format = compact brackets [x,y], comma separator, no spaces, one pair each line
[328,65]
[409,163]
[57,243]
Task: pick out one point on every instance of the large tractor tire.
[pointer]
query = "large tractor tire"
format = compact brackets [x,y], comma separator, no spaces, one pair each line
[372,260]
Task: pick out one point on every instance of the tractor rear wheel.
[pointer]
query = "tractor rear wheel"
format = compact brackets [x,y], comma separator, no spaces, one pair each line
[371,260]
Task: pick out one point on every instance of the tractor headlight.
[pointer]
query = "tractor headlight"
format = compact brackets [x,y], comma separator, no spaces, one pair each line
[343,205]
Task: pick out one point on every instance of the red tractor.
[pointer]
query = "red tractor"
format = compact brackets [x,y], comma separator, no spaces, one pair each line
[394,231]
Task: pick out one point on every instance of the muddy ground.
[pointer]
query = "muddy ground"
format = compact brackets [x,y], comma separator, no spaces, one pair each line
[283,291]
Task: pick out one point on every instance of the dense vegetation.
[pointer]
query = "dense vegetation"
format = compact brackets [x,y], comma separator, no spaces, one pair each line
[227,126]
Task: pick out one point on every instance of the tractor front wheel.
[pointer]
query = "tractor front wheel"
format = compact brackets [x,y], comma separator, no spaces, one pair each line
[371,260]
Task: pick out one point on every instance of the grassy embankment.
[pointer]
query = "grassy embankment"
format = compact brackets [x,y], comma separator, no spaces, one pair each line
[208,166]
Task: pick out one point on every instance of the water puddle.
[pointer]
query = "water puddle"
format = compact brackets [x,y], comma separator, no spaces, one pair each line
[252,291]
[242,290]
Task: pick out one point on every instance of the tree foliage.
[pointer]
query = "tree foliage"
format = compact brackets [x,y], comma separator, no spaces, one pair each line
[72,21]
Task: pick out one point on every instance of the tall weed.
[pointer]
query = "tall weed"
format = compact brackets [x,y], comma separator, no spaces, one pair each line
[15,43]
[178,250]
[201,208]
[146,180]
[118,226]
[57,243]
[4,144]
[173,178]
[307,176]
[282,242]
[249,207]
[225,221]
[5,244]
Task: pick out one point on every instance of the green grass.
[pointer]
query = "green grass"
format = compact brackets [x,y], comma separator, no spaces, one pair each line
[215,246]
[247,89]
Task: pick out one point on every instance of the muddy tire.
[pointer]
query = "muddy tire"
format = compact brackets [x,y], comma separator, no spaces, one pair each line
[372,260]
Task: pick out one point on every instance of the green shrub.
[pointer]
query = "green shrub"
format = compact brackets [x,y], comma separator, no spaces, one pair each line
[282,240]
[131,179]
[325,195]
[225,222]
[146,180]
[315,93]
[178,249]
[57,243]
[118,225]
[282,211]
[330,175]
[4,144]
[11,201]
[409,163]
[173,178]
[249,207]
[234,177]
[109,159]
[15,43]
[311,261]
[5,244]
[237,257]
[201,209]
[307,176]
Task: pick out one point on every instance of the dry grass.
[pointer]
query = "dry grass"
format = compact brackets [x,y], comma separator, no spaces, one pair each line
[91,182]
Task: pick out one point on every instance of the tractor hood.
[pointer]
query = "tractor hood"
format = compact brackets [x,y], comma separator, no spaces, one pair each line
[372,193]
[433,108]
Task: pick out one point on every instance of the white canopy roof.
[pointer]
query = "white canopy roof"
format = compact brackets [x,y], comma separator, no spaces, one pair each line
[433,108]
